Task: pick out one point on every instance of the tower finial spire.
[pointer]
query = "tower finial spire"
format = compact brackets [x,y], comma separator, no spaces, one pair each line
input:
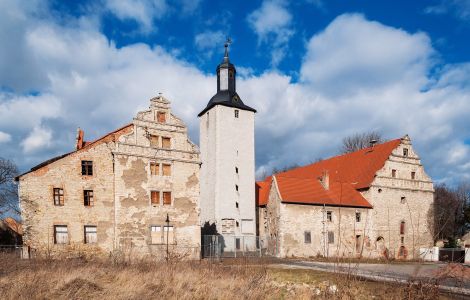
[226,45]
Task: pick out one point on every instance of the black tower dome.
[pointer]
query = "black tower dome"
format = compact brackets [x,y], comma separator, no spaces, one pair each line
[226,86]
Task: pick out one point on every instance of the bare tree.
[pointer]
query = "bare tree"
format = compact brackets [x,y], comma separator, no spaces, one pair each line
[8,188]
[360,141]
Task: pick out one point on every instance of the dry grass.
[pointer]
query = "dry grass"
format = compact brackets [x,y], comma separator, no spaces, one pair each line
[105,279]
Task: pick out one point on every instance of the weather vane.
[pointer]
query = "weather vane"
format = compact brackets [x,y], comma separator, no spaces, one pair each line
[227,43]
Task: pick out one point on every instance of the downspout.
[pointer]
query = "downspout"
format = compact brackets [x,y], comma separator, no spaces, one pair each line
[114,204]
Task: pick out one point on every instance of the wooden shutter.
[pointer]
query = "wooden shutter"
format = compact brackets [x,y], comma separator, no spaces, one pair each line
[166,169]
[166,142]
[155,197]
[166,198]
[154,141]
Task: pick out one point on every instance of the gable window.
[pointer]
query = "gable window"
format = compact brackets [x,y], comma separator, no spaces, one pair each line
[331,237]
[405,151]
[161,117]
[329,216]
[236,113]
[402,227]
[394,173]
[90,234]
[358,217]
[166,142]
[88,198]
[156,236]
[87,167]
[61,234]
[166,168]
[166,198]
[58,196]
[155,197]
[307,237]
[413,175]
[153,141]
[154,168]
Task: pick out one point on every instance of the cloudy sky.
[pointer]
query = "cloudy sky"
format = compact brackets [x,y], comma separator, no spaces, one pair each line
[315,70]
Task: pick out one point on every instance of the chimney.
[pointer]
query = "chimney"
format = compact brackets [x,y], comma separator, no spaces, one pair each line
[325,180]
[79,140]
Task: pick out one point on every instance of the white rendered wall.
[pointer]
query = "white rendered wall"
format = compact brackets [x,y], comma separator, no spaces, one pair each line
[227,142]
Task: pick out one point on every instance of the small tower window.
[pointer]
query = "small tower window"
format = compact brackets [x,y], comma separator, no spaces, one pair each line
[402,227]
[403,200]
[236,187]
[394,173]
[236,170]
[230,74]
[405,151]
[413,175]
[329,216]
[236,113]
[236,204]
[161,117]
[358,217]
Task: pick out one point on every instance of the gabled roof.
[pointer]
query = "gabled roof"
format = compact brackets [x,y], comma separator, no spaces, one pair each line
[347,174]
[86,145]
[13,225]
[262,191]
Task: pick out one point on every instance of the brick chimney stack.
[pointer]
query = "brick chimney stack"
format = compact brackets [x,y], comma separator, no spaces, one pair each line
[79,140]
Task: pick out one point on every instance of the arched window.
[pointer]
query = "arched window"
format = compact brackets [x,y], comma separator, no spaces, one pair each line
[402,227]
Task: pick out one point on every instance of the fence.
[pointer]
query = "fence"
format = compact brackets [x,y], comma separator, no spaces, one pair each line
[17,250]
[218,246]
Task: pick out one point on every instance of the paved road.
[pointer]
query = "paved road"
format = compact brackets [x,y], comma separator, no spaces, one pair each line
[388,272]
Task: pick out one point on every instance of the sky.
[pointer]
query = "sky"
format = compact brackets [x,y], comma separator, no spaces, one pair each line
[315,70]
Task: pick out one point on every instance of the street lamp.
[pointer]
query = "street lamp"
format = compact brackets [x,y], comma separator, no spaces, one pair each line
[167,234]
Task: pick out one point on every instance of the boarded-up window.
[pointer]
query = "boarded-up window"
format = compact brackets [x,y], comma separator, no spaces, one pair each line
[155,197]
[61,234]
[394,173]
[329,216]
[88,198]
[228,225]
[154,141]
[166,169]
[87,167]
[156,236]
[166,143]
[161,117]
[307,237]
[166,198]
[402,227]
[413,175]
[331,237]
[90,234]
[169,235]
[154,168]
[58,196]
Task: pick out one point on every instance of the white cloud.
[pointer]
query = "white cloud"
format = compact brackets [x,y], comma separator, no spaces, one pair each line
[39,138]
[272,24]
[4,137]
[144,12]
[459,8]
[205,41]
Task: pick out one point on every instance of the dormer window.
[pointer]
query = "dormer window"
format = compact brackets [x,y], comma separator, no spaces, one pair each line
[161,117]
[405,151]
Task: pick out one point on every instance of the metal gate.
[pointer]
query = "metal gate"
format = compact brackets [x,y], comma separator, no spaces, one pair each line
[218,246]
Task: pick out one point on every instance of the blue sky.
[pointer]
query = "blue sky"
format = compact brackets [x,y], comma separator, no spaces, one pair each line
[316,70]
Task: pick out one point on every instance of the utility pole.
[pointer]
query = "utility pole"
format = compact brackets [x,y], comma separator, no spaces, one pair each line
[167,234]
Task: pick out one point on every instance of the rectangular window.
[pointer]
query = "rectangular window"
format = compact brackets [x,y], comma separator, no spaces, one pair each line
[413,175]
[331,237]
[236,204]
[58,196]
[394,173]
[161,117]
[90,234]
[236,187]
[329,216]
[307,237]
[154,168]
[166,142]
[166,198]
[402,239]
[155,197]
[87,167]
[237,244]
[154,141]
[61,234]
[236,113]
[88,198]
[358,217]
[236,170]
[405,152]
[166,168]
[402,227]
[156,236]
[169,235]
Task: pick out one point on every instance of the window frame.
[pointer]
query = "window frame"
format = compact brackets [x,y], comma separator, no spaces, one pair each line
[152,192]
[329,216]
[87,167]
[307,237]
[169,141]
[155,138]
[358,216]
[160,230]
[161,113]
[405,152]
[413,175]
[90,198]
[59,199]
[153,165]
[56,231]
[237,113]
[85,238]
[163,198]
[331,237]
[402,227]
[170,168]
[394,173]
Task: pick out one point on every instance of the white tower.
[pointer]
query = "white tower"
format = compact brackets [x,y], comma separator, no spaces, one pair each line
[228,163]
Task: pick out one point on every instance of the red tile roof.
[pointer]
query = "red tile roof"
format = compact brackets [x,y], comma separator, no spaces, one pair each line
[262,191]
[347,174]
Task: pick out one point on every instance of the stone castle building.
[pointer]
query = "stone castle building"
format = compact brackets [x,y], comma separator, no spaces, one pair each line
[117,192]
[374,202]
[228,163]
